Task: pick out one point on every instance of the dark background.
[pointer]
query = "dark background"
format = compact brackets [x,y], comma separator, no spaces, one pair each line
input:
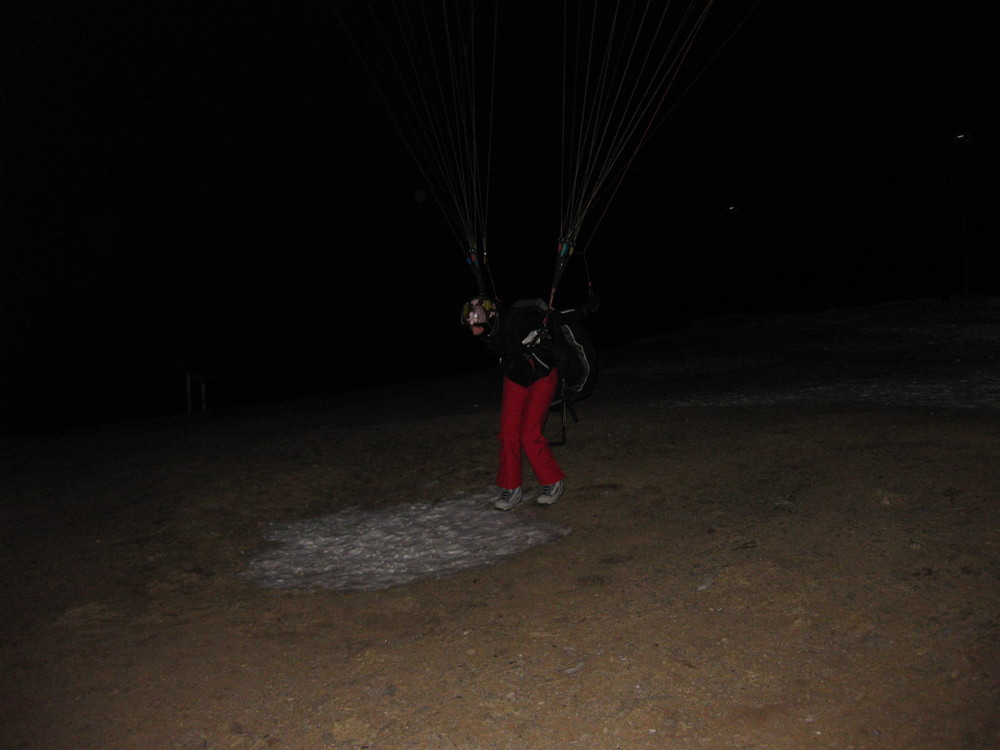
[215,187]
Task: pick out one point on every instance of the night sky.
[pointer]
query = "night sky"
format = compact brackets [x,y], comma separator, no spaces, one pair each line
[216,186]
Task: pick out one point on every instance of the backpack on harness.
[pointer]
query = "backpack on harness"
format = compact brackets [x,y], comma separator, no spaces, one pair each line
[577,362]
[576,359]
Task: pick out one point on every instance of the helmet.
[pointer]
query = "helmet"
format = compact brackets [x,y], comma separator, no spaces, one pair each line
[481,311]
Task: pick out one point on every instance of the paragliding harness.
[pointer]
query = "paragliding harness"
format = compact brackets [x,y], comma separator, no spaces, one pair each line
[552,339]
[561,341]
[576,357]
[577,363]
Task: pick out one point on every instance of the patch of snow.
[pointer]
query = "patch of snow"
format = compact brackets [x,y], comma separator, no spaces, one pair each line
[368,549]
[972,391]
[924,355]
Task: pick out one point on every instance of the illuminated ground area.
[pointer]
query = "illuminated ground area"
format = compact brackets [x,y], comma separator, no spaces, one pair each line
[370,549]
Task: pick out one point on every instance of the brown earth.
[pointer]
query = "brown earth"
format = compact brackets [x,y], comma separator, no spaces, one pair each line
[775,576]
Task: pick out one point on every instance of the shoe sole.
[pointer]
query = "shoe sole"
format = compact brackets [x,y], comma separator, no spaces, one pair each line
[507,507]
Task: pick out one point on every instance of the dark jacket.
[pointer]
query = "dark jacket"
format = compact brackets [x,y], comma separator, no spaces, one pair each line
[525,343]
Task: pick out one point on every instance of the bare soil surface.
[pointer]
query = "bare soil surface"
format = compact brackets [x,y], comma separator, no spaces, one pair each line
[785,535]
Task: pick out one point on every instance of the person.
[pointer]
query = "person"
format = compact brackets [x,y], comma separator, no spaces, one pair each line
[530,377]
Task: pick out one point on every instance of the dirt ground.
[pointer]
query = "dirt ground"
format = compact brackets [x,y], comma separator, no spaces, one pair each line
[811,574]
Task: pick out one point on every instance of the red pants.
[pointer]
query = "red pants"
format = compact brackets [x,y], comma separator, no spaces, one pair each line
[522,417]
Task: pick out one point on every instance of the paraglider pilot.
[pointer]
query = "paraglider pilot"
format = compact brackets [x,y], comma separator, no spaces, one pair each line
[528,359]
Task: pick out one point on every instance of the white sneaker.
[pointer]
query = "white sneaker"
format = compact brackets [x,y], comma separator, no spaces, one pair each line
[509,499]
[550,493]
